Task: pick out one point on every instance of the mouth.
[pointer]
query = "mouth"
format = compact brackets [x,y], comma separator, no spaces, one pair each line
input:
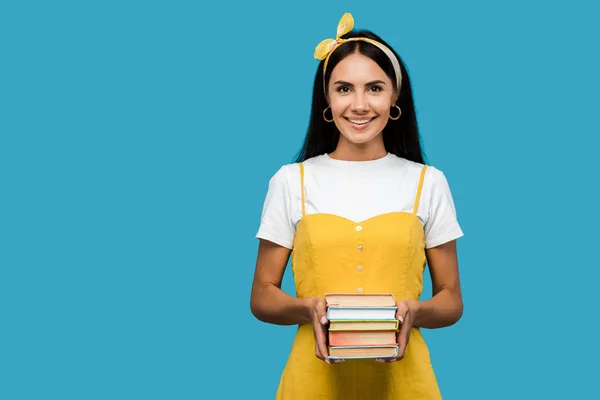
[359,124]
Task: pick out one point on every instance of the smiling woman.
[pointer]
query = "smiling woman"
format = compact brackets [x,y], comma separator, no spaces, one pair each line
[359,212]
[361,77]
[361,95]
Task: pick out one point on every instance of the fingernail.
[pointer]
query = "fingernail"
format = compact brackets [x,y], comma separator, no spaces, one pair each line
[400,318]
[338,361]
[379,360]
[323,320]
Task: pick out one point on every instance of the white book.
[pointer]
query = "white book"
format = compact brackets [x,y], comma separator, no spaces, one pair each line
[360,313]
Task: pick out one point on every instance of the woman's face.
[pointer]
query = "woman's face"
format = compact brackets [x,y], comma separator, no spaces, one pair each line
[360,96]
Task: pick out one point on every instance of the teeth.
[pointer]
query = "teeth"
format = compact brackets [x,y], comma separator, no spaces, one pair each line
[360,121]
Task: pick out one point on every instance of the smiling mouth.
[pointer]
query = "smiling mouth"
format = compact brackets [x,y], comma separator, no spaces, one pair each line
[359,123]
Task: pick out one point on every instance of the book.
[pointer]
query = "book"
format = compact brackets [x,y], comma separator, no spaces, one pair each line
[360,313]
[363,325]
[360,299]
[362,338]
[349,352]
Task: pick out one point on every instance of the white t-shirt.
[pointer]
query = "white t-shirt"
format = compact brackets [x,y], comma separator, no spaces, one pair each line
[358,190]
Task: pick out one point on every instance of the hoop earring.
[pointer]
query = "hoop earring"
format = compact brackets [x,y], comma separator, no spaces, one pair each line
[399,113]
[327,120]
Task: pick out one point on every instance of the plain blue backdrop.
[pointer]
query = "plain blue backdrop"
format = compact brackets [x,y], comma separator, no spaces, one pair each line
[137,139]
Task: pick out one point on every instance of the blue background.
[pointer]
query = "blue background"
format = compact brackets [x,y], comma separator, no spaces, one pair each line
[136,144]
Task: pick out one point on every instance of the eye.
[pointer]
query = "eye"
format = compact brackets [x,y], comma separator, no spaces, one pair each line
[376,88]
[343,89]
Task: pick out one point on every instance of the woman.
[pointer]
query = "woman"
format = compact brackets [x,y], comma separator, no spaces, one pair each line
[362,214]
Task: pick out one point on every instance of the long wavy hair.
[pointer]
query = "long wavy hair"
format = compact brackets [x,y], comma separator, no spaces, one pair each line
[400,137]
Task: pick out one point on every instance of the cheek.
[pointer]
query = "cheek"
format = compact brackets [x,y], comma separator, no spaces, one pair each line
[381,105]
[339,105]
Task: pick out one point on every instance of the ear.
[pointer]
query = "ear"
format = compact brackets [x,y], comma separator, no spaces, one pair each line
[395,97]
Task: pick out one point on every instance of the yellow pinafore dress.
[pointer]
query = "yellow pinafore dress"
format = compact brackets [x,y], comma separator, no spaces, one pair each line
[385,253]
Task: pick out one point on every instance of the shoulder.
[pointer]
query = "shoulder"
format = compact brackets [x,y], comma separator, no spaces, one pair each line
[280,180]
[289,174]
[434,179]
[294,168]
[433,175]
[314,162]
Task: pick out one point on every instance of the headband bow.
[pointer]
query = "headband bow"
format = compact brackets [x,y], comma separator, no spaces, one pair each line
[324,48]
[346,24]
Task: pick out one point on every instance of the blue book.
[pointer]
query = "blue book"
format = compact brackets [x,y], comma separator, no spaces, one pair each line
[360,313]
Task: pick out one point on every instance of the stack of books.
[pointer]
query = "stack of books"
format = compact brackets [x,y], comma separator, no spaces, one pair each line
[362,325]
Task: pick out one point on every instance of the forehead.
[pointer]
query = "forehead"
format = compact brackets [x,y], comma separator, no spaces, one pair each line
[357,68]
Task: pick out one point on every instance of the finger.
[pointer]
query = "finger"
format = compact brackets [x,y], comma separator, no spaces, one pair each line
[322,333]
[401,315]
[318,353]
[321,342]
[324,352]
[401,311]
[322,312]
[403,337]
[386,360]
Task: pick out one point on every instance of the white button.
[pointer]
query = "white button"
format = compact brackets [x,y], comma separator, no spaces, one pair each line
[359,290]
[359,228]
[360,248]
[359,268]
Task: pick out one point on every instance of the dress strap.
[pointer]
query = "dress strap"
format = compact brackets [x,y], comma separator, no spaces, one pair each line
[302,188]
[416,206]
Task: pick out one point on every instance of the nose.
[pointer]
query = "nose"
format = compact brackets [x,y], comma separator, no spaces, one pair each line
[360,104]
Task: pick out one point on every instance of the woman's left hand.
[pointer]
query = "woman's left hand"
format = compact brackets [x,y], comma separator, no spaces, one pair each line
[406,316]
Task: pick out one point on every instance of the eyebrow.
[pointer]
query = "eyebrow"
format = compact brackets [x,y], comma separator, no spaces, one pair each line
[377,82]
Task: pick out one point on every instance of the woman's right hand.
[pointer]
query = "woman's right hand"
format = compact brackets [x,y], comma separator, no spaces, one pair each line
[318,317]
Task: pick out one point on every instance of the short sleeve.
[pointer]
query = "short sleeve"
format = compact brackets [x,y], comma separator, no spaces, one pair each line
[442,225]
[276,222]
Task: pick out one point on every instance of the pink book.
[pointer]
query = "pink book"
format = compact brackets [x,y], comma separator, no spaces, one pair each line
[362,338]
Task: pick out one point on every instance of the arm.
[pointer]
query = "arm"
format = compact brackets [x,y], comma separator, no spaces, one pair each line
[445,307]
[268,302]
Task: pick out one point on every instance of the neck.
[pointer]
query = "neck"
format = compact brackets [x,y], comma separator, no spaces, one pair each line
[348,151]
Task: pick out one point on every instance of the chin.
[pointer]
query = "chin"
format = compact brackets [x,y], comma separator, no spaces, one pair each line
[359,138]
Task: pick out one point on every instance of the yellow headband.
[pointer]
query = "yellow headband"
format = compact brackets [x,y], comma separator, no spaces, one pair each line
[346,24]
